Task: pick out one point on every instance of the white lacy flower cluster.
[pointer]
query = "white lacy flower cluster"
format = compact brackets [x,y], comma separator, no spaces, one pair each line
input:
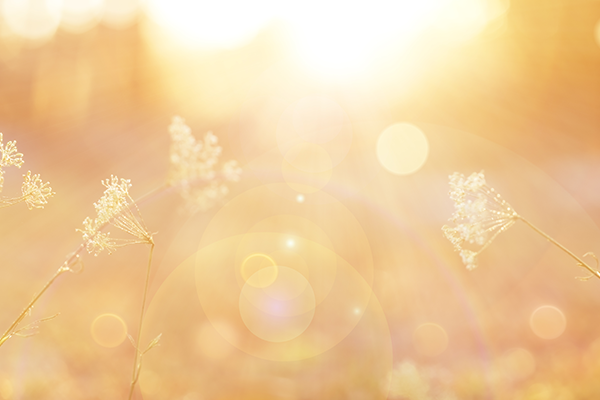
[115,207]
[480,215]
[35,193]
[193,167]
[9,157]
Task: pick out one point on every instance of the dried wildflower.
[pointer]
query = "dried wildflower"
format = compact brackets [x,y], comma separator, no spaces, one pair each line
[9,157]
[480,215]
[193,165]
[117,208]
[35,191]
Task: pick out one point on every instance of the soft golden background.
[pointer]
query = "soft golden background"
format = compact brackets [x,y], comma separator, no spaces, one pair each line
[88,89]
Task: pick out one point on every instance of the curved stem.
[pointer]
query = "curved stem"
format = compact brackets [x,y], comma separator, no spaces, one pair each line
[137,366]
[64,268]
[563,248]
[9,332]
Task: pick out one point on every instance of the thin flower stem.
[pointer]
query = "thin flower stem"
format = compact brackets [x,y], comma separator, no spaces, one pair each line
[563,248]
[137,367]
[64,268]
[10,331]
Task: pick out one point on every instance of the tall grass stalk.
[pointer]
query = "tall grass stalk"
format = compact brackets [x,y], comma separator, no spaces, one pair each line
[137,359]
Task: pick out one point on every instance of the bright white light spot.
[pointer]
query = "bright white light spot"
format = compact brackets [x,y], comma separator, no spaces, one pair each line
[547,322]
[210,24]
[120,14]
[80,15]
[291,243]
[35,20]
[402,149]
[300,198]
[343,38]
[356,311]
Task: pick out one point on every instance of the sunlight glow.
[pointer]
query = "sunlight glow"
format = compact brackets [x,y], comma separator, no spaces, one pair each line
[120,14]
[337,37]
[36,20]
[547,322]
[210,24]
[402,149]
[80,15]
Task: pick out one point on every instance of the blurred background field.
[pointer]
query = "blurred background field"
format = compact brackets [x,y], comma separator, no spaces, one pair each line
[301,93]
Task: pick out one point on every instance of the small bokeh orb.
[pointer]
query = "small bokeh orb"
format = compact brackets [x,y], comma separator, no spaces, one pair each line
[402,149]
[430,339]
[280,311]
[109,330]
[518,363]
[547,322]
[256,262]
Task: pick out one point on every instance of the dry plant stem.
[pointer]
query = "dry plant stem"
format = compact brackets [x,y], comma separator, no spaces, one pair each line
[137,366]
[563,248]
[64,268]
[10,331]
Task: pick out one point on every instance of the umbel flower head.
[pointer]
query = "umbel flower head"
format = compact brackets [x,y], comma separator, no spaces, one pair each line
[480,214]
[34,192]
[193,167]
[117,208]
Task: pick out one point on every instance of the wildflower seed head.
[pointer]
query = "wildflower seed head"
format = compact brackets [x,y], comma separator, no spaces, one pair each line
[480,214]
[117,208]
[469,258]
[115,198]
[9,156]
[231,171]
[35,192]
[193,167]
